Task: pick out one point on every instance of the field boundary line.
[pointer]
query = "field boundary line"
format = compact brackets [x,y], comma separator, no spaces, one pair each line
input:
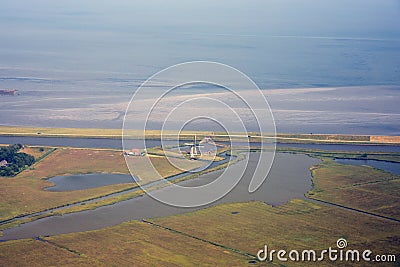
[237,251]
[354,209]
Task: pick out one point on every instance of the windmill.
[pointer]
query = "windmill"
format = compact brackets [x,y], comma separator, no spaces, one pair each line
[195,153]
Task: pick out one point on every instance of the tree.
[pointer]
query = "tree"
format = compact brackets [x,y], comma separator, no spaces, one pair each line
[16,161]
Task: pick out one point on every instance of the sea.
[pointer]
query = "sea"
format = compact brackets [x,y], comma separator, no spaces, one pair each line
[323,67]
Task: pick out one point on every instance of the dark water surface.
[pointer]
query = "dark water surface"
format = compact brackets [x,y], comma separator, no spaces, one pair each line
[74,142]
[391,167]
[289,178]
[86,181]
[346,147]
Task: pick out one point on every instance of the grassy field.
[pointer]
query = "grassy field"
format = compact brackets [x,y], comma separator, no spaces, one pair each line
[225,235]
[24,193]
[298,224]
[36,152]
[36,253]
[162,167]
[129,244]
[358,187]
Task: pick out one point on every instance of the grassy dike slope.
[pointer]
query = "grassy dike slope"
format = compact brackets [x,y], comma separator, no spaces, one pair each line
[255,137]
[82,132]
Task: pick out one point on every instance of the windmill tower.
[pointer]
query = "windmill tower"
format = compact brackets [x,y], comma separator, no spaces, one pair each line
[194,152]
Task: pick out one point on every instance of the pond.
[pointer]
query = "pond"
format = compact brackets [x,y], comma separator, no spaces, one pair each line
[86,181]
[93,180]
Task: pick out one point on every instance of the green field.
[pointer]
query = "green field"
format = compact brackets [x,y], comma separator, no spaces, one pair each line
[225,235]
[359,187]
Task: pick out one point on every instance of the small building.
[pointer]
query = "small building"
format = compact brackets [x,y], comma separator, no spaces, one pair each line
[207,139]
[3,163]
[135,152]
[8,92]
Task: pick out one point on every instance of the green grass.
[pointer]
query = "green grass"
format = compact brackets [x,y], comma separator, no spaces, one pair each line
[155,134]
[128,244]
[216,236]
[299,224]
[358,187]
